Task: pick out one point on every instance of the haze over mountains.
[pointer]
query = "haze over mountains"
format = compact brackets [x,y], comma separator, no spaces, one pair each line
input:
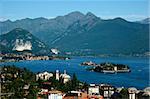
[144,21]
[85,33]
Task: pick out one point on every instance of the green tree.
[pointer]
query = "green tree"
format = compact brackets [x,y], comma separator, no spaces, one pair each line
[75,82]
[32,92]
[124,93]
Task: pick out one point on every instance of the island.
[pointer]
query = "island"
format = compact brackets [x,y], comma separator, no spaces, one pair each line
[107,67]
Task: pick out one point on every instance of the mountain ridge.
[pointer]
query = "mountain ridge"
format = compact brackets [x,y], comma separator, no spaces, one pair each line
[77,32]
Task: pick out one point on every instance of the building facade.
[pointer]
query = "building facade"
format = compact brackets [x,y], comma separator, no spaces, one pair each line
[44,76]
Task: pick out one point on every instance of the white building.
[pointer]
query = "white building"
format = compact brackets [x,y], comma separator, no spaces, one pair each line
[115,68]
[93,89]
[146,91]
[44,90]
[44,76]
[107,90]
[65,77]
[132,93]
[76,92]
[55,95]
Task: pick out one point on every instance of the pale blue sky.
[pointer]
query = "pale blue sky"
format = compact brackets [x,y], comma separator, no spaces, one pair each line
[129,9]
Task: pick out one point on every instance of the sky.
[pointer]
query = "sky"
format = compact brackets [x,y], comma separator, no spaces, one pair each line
[131,10]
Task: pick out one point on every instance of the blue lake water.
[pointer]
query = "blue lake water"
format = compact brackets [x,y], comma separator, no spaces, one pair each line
[138,77]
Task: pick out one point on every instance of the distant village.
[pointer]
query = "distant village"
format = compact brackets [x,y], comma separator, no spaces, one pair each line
[27,55]
[21,83]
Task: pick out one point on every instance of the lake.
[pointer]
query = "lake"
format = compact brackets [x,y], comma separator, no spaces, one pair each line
[138,77]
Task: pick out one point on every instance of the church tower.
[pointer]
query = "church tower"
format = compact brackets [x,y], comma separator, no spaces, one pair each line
[57,75]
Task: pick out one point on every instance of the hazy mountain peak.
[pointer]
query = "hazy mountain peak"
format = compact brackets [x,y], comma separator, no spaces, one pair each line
[8,21]
[19,32]
[145,21]
[69,19]
[119,19]
[90,14]
[75,13]
[25,20]
[41,18]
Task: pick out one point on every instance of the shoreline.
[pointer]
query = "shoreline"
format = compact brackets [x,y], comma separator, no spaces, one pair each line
[74,67]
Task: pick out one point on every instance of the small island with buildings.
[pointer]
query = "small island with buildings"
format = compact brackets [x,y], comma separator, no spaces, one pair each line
[107,67]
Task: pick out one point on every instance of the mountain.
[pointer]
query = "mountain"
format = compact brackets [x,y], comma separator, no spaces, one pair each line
[116,36]
[19,40]
[86,33]
[144,21]
[44,29]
